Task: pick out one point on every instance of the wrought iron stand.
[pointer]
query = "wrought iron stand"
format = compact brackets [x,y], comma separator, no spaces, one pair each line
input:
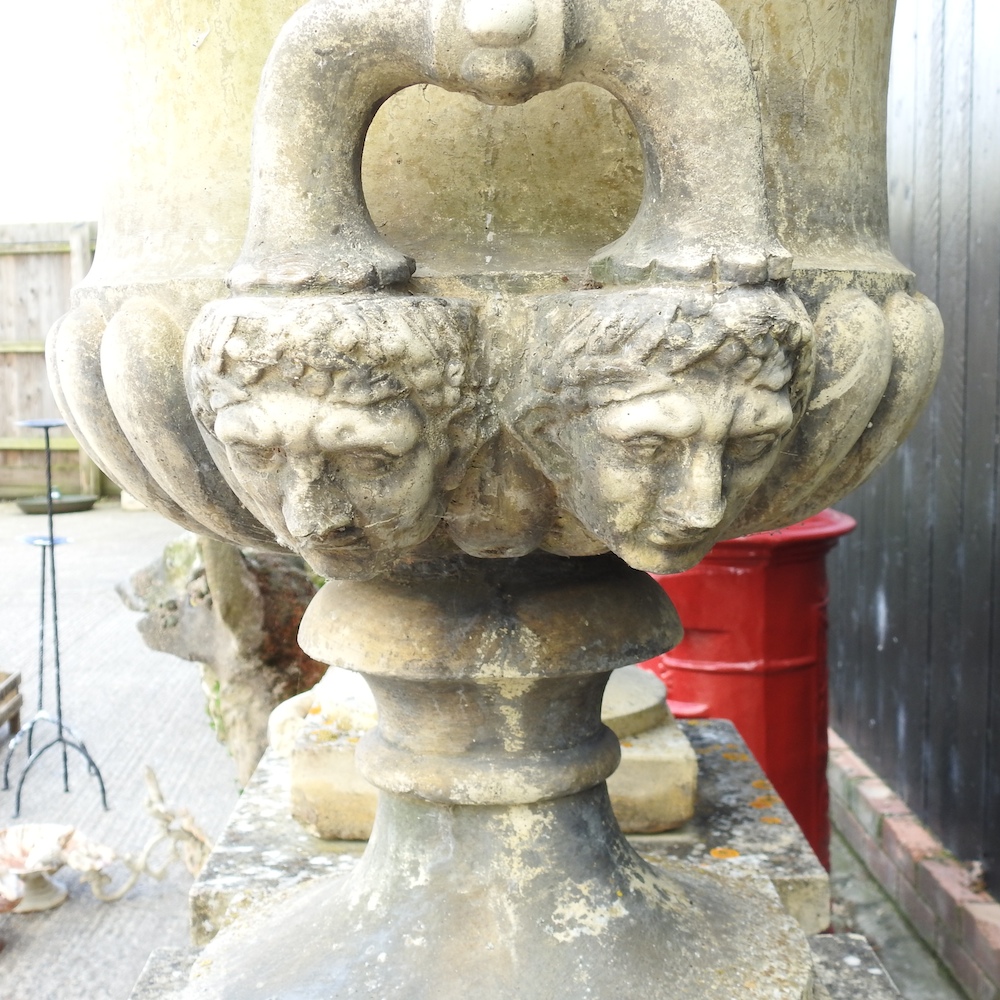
[65,738]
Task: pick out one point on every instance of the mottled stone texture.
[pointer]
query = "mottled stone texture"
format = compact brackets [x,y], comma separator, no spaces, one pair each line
[264,851]
[848,969]
[653,788]
[469,378]
[761,224]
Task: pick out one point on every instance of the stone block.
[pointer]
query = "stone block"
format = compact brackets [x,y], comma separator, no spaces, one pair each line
[261,851]
[634,702]
[164,975]
[741,826]
[328,795]
[655,786]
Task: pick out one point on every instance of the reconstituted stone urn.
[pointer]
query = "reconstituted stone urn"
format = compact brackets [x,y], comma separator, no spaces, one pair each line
[505,302]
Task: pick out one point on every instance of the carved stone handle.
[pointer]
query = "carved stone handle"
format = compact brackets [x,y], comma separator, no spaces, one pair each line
[679,67]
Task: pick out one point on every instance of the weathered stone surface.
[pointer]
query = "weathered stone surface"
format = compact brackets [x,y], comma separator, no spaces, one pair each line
[261,851]
[503,232]
[848,969]
[489,830]
[308,402]
[264,850]
[519,396]
[634,702]
[164,975]
[655,786]
[652,789]
[741,825]
[430,949]
[327,793]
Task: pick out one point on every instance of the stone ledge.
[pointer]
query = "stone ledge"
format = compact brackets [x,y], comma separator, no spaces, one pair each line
[164,975]
[934,891]
[741,826]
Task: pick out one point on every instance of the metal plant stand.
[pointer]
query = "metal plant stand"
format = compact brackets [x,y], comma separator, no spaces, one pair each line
[64,737]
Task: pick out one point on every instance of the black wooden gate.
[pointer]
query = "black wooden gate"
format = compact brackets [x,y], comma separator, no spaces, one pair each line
[915,611]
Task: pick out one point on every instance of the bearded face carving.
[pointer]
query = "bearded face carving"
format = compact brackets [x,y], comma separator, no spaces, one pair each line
[344,426]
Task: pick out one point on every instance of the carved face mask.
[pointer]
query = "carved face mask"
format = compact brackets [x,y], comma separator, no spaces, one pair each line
[660,473]
[347,484]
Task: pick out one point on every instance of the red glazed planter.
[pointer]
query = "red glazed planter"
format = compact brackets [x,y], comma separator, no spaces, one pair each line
[754,651]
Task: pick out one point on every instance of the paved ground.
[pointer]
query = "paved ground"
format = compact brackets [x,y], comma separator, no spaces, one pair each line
[860,905]
[133,707]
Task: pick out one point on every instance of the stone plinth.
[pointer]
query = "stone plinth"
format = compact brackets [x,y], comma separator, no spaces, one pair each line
[848,969]
[739,829]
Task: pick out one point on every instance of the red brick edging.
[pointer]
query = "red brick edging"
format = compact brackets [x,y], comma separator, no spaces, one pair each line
[935,892]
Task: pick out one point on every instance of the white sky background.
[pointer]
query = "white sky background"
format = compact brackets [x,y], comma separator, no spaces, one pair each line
[53,110]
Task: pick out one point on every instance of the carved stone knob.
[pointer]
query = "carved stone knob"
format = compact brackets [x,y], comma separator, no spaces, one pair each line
[500,22]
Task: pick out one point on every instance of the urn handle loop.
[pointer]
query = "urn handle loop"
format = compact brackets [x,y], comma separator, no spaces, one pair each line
[678,66]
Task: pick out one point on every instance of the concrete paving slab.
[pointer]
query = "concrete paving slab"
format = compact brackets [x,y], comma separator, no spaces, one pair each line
[862,907]
[847,968]
[133,707]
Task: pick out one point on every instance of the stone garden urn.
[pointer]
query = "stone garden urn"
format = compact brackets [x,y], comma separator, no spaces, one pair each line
[485,307]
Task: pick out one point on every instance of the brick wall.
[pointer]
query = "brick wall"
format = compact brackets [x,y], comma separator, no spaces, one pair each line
[939,896]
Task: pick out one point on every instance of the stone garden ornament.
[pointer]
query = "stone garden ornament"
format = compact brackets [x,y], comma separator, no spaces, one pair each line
[479,391]
[32,852]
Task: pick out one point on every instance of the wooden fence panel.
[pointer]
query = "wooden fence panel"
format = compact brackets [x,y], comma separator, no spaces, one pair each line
[915,622]
[984,318]
[38,266]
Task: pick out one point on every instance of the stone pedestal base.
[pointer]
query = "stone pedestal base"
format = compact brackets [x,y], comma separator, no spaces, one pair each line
[652,789]
[496,865]
[738,827]
[476,896]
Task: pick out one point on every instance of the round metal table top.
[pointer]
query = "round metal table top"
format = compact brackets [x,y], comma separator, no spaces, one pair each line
[44,540]
[43,422]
